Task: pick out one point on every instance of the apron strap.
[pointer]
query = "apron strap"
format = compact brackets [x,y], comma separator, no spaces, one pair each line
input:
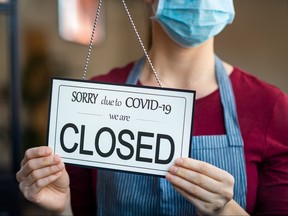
[135,72]
[229,104]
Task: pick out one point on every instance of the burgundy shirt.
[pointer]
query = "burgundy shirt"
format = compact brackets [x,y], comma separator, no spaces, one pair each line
[263,117]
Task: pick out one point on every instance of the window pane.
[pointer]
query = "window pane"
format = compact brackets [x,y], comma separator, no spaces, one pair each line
[5,139]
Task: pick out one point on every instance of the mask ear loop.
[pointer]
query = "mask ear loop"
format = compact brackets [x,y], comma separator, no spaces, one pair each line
[154,9]
[136,32]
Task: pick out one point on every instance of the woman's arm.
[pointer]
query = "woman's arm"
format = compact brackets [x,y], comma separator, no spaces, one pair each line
[83,190]
[272,196]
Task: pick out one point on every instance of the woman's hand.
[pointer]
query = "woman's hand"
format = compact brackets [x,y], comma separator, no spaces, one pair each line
[43,180]
[207,187]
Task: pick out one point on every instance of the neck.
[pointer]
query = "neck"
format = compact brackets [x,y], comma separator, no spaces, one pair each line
[179,67]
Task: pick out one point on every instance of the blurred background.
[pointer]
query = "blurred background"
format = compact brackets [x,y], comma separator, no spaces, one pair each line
[40,39]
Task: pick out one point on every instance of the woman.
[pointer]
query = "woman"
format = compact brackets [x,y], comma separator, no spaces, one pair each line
[235,168]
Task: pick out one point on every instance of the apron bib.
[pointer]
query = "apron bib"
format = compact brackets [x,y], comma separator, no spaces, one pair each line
[120,193]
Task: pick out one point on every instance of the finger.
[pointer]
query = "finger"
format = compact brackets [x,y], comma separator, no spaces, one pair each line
[32,191]
[38,163]
[36,153]
[196,178]
[35,175]
[203,208]
[203,168]
[199,204]
[192,190]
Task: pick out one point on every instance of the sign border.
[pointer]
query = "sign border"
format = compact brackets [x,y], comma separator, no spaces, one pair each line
[122,85]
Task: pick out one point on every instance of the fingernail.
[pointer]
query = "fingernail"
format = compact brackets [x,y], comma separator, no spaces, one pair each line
[61,165]
[59,174]
[173,169]
[169,176]
[48,151]
[179,161]
[57,158]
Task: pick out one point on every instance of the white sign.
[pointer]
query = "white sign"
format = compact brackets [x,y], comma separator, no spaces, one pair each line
[128,128]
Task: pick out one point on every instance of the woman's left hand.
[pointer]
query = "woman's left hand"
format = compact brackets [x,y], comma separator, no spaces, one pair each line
[207,187]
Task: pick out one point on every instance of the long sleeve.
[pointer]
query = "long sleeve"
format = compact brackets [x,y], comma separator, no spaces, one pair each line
[273,174]
[83,190]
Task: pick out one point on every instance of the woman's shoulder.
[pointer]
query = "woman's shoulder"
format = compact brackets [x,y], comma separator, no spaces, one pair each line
[258,102]
[250,87]
[116,75]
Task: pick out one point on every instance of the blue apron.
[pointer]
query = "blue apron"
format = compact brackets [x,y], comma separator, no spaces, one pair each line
[121,193]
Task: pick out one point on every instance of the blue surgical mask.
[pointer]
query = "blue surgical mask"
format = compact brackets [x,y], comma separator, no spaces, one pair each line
[192,22]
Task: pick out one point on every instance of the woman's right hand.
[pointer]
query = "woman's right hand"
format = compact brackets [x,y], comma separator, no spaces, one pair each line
[44,181]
